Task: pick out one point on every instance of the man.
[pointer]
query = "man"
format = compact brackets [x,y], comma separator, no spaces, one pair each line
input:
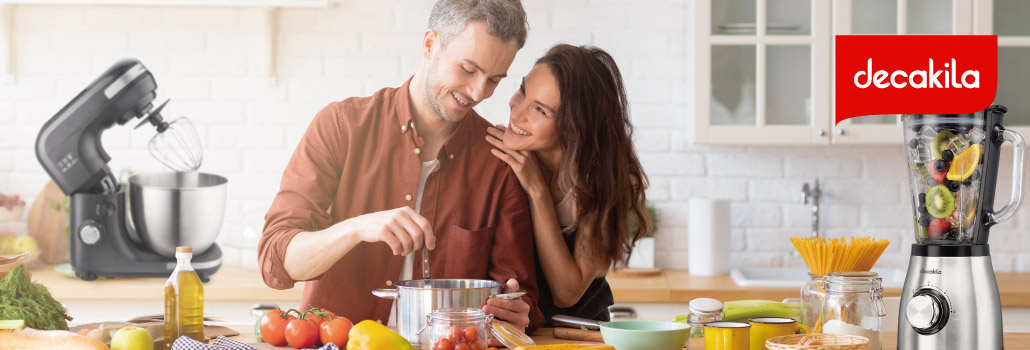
[376,178]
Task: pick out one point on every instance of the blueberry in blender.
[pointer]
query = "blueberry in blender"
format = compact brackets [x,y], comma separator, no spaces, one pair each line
[922,199]
[954,186]
[913,144]
[940,165]
[922,209]
[947,155]
[924,220]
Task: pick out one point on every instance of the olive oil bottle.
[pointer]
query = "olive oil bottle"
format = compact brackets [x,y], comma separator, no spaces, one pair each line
[184,301]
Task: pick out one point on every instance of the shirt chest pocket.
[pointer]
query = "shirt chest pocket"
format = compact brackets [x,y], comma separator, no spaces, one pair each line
[466,253]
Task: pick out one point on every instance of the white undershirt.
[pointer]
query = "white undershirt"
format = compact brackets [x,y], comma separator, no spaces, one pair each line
[409,260]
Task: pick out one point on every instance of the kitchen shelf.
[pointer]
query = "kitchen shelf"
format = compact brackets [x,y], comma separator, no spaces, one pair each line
[271,22]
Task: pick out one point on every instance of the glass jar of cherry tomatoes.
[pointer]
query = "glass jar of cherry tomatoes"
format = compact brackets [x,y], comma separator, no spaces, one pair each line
[459,329]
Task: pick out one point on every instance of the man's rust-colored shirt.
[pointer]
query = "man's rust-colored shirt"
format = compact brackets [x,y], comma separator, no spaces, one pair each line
[362,155]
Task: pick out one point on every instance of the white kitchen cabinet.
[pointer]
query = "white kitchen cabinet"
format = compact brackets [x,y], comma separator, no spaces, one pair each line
[1007,20]
[764,68]
[761,68]
[887,17]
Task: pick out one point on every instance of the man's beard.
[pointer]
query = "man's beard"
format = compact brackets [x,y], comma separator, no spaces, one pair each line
[432,86]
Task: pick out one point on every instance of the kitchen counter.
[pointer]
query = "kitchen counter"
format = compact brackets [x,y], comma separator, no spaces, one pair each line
[234,283]
[544,336]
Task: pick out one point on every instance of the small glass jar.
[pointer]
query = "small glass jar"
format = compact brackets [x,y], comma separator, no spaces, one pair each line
[459,326]
[812,295]
[702,312]
[854,306]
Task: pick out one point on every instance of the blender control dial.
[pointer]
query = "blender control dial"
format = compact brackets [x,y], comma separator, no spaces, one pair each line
[927,311]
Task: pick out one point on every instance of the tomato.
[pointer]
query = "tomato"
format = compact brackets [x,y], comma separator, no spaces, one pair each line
[335,331]
[456,335]
[273,327]
[462,347]
[471,334]
[301,334]
[478,345]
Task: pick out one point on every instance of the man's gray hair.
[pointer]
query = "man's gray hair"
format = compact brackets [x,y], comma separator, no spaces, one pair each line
[504,19]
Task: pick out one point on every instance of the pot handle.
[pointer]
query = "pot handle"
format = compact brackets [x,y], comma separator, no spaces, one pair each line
[386,293]
[1019,151]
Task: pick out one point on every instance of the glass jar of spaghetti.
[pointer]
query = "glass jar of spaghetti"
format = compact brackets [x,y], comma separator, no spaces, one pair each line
[853,305]
[812,296]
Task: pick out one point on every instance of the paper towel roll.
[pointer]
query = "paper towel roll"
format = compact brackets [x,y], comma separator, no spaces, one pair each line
[708,237]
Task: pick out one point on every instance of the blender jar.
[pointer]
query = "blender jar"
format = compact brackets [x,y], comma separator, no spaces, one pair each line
[952,166]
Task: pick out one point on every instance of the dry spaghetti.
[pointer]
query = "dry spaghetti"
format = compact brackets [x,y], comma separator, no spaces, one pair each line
[824,256]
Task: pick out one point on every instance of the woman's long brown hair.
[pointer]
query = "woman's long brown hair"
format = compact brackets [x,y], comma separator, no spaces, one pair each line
[599,164]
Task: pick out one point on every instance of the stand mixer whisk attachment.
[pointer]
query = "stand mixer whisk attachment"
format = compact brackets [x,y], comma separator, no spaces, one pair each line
[176,144]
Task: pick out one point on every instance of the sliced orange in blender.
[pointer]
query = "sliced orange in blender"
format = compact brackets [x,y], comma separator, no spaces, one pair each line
[964,163]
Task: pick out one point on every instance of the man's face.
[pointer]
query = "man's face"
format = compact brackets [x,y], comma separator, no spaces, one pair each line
[466,71]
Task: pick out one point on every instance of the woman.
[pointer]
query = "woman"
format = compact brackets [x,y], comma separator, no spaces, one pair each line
[569,142]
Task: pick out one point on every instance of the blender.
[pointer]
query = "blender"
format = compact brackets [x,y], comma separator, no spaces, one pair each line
[950,298]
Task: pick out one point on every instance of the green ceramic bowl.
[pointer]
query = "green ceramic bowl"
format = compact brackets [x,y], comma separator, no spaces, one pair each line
[645,335]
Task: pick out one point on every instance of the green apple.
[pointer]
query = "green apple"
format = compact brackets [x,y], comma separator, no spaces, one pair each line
[25,244]
[132,338]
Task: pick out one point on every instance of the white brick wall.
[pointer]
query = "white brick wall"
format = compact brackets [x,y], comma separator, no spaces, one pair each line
[209,61]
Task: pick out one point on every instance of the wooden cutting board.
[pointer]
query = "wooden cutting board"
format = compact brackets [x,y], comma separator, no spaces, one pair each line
[47,224]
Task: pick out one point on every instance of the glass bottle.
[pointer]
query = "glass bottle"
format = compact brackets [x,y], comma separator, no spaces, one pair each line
[184,301]
[812,295]
[854,306]
[702,311]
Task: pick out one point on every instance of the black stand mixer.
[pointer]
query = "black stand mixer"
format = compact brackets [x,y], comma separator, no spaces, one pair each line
[166,209]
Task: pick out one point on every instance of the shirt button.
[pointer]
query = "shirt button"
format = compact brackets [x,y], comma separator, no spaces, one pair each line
[407,197]
[379,321]
[451,156]
[389,283]
[404,128]
[418,150]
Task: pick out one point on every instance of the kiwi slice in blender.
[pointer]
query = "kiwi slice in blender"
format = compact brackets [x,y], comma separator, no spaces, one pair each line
[939,142]
[940,202]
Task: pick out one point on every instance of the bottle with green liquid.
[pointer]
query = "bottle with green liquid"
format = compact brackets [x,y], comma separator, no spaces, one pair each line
[184,301]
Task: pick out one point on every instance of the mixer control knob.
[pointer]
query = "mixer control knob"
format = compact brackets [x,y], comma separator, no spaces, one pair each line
[89,234]
[927,311]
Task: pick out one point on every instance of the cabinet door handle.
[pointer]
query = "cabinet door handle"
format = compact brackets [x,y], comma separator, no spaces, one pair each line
[840,131]
[622,312]
[821,132]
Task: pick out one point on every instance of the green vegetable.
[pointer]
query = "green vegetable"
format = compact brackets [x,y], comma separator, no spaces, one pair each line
[20,298]
[742,310]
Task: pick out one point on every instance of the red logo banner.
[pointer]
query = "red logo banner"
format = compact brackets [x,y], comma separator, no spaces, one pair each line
[914,74]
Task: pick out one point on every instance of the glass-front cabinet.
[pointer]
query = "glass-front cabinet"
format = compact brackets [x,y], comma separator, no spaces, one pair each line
[893,17]
[764,68]
[1007,20]
[761,67]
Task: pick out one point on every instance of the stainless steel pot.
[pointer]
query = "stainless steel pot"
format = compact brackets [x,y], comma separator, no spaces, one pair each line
[418,298]
[177,209]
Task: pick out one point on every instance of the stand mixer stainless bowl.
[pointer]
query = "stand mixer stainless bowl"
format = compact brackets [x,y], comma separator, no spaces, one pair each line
[108,237]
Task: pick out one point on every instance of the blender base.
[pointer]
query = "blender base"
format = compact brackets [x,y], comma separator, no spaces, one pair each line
[950,300]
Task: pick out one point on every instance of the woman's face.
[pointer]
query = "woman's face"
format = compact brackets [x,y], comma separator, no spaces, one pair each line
[532,126]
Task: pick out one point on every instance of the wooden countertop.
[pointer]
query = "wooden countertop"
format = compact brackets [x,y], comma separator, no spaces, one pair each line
[234,283]
[544,336]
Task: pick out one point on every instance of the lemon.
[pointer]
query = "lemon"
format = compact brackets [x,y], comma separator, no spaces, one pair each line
[12,324]
[964,163]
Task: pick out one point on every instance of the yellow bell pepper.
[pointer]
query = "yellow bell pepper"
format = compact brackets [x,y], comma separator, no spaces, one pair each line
[372,335]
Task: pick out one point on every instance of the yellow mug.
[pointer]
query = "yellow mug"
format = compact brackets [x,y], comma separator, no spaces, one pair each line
[763,328]
[726,336]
